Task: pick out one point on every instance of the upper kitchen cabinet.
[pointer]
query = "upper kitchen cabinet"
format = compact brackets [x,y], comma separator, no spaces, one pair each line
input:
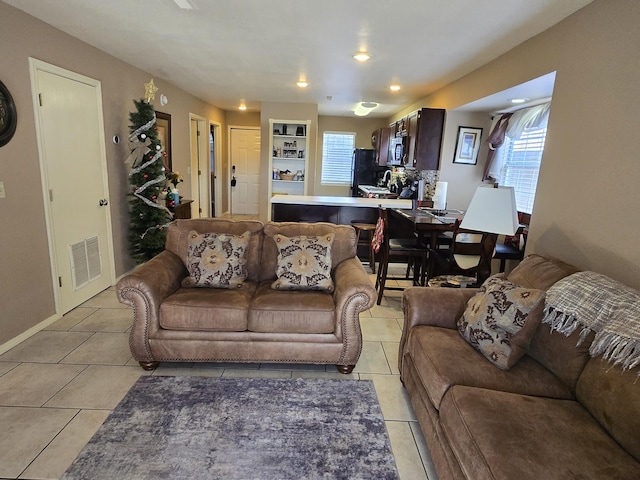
[425,129]
[382,137]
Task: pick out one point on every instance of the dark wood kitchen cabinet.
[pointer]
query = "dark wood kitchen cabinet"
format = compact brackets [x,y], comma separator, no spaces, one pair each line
[425,138]
[382,145]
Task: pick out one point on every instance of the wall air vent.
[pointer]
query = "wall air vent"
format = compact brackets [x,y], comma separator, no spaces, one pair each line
[86,263]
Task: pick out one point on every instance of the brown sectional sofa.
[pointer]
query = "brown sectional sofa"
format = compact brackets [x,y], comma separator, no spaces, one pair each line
[556,414]
[251,324]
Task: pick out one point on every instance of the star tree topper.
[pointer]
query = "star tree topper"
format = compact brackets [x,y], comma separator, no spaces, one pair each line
[150,91]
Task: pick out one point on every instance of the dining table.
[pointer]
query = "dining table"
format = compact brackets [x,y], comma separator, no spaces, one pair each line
[427,223]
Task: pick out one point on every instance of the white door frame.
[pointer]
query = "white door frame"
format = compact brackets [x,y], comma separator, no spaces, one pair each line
[35,66]
[205,170]
[217,145]
[229,162]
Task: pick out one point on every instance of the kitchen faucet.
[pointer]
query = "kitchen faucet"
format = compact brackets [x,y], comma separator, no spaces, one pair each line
[386,177]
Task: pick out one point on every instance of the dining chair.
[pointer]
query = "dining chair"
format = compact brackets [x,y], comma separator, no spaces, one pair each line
[512,248]
[469,254]
[412,250]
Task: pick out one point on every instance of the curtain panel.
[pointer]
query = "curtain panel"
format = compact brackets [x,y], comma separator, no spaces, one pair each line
[512,125]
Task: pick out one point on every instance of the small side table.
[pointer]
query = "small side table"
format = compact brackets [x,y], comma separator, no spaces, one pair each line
[182,210]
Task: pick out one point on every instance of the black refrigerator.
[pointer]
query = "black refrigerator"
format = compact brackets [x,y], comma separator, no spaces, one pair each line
[364,169]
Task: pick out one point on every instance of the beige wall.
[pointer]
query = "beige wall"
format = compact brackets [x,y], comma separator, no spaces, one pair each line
[462,179]
[588,196]
[362,126]
[26,292]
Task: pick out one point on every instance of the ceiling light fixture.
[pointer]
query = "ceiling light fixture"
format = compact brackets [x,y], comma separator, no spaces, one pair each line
[184,4]
[362,56]
[303,84]
[364,108]
[518,100]
[394,87]
[242,107]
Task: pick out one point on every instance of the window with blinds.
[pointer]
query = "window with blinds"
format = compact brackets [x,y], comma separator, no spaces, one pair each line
[521,165]
[337,153]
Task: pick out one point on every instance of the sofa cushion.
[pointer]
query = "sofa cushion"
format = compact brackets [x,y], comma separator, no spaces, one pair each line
[177,241]
[496,435]
[199,309]
[553,350]
[282,311]
[342,248]
[304,262]
[444,359]
[500,320]
[216,260]
[612,396]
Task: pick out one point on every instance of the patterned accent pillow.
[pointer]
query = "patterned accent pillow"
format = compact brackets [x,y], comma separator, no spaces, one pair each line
[378,235]
[501,319]
[216,260]
[304,262]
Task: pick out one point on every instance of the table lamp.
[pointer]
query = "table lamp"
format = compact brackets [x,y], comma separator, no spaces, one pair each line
[492,211]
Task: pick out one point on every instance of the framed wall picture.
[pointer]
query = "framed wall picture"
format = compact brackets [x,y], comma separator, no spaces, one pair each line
[467,145]
[163,124]
[8,115]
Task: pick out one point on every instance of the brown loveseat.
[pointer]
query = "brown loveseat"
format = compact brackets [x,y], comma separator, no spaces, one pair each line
[254,323]
[556,414]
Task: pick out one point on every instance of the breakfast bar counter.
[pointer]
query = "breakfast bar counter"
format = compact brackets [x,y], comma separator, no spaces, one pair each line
[339,210]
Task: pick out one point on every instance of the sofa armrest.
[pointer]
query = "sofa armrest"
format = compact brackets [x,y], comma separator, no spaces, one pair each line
[354,293]
[438,307]
[433,306]
[145,289]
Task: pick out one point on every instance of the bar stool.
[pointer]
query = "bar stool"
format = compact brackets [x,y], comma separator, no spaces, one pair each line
[413,250]
[368,228]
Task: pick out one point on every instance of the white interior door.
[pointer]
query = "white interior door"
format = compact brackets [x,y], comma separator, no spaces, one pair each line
[245,169]
[200,168]
[73,160]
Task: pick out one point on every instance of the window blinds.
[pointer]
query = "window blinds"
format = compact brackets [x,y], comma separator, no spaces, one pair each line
[337,153]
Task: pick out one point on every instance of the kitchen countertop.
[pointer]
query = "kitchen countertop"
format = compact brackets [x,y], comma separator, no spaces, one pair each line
[341,201]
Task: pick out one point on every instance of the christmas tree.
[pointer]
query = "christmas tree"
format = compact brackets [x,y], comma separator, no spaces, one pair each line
[148,218]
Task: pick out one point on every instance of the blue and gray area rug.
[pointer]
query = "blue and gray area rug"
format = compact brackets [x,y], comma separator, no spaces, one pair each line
[227,428]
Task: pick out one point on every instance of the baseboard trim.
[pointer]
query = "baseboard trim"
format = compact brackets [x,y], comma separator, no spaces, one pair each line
[28,333]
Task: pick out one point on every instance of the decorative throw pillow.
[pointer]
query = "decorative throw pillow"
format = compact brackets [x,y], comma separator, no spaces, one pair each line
[216,260]
[501,319]
[304,262]
[378,235]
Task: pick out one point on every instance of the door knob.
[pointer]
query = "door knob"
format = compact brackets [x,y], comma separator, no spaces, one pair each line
[103,202]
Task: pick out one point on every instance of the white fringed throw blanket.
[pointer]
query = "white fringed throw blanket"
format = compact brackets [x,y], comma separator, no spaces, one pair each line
[599,304]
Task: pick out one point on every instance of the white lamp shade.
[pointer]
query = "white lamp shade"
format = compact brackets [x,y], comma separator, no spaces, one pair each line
[492,210]
[440,196]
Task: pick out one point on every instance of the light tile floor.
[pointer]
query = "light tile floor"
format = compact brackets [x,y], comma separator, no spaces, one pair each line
[57,387]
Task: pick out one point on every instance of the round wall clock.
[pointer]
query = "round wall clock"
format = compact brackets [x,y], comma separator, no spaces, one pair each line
[8,115]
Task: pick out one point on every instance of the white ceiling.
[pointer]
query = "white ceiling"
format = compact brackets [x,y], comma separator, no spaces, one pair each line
[229,51]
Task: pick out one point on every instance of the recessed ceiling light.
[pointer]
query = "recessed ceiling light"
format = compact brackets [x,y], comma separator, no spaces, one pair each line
[362,56]
[394,87]
[184,4]
[303,84]
[518,100]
